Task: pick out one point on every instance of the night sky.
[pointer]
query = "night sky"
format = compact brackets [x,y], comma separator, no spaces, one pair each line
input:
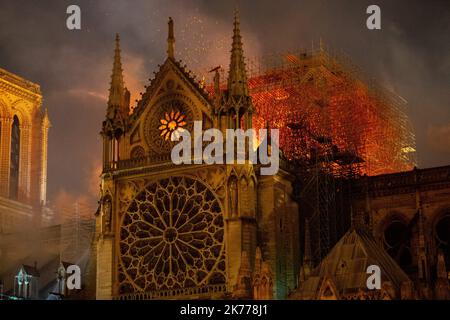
[410,55]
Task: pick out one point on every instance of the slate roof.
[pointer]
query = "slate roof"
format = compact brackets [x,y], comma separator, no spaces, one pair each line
[346,266]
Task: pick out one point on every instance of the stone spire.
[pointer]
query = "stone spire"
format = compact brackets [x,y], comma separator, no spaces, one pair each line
[171,41]
[45,119]
[119,99]
[237,76]
[116,91]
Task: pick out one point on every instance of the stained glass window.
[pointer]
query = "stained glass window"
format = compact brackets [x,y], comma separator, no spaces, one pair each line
[15,160]
[172,237]
[171,123]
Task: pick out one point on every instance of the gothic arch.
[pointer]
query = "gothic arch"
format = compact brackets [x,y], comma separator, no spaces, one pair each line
[19,108]
[396,238]
[387,219]
[437,215]
[440,227]
[5,110]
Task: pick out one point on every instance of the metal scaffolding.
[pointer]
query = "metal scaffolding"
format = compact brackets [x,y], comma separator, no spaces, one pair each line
[77,231]
[335,125]
[329,97]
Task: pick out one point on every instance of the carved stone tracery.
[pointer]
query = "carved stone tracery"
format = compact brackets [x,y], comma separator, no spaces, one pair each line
[171,237]
[159,144]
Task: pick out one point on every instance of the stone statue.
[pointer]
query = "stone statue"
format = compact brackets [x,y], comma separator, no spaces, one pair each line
[233,197]
[107,214]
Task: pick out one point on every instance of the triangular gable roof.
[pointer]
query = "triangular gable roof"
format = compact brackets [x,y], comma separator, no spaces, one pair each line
[350,257]
[347,264]
[183,72]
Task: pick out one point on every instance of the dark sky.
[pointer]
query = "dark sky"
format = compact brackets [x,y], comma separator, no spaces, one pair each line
[410,55]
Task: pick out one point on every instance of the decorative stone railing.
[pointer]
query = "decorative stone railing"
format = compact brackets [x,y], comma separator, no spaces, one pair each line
[136,162]
[196,292]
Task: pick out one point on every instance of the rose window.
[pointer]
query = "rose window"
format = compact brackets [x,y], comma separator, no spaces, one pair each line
[171,237]
[165,121]
[171,124]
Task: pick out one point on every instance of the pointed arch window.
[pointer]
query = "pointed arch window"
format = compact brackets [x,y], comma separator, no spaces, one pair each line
[15,159]
[397,242]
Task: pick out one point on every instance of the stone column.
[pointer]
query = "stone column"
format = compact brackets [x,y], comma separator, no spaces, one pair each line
[44,156]
[5,150]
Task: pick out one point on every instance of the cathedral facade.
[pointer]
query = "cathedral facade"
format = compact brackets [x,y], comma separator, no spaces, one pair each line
[189,231]
[225,231]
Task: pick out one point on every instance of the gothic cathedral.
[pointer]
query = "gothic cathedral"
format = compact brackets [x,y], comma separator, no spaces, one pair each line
[189,231]
[24,126]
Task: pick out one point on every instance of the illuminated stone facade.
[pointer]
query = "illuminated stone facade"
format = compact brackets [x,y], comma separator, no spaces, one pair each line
[24,128]
[188,231]
[166,231]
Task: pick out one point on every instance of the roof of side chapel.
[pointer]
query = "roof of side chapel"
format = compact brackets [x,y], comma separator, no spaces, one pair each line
[346,266]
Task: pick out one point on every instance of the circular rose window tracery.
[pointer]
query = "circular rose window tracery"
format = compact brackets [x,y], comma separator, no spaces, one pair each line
[171,124]
[171,237]
[164,121]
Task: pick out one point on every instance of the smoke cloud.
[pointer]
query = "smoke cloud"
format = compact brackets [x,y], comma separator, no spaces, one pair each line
[409,55]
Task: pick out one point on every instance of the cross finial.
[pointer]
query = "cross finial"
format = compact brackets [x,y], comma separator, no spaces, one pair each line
[171,40]
[237,77]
